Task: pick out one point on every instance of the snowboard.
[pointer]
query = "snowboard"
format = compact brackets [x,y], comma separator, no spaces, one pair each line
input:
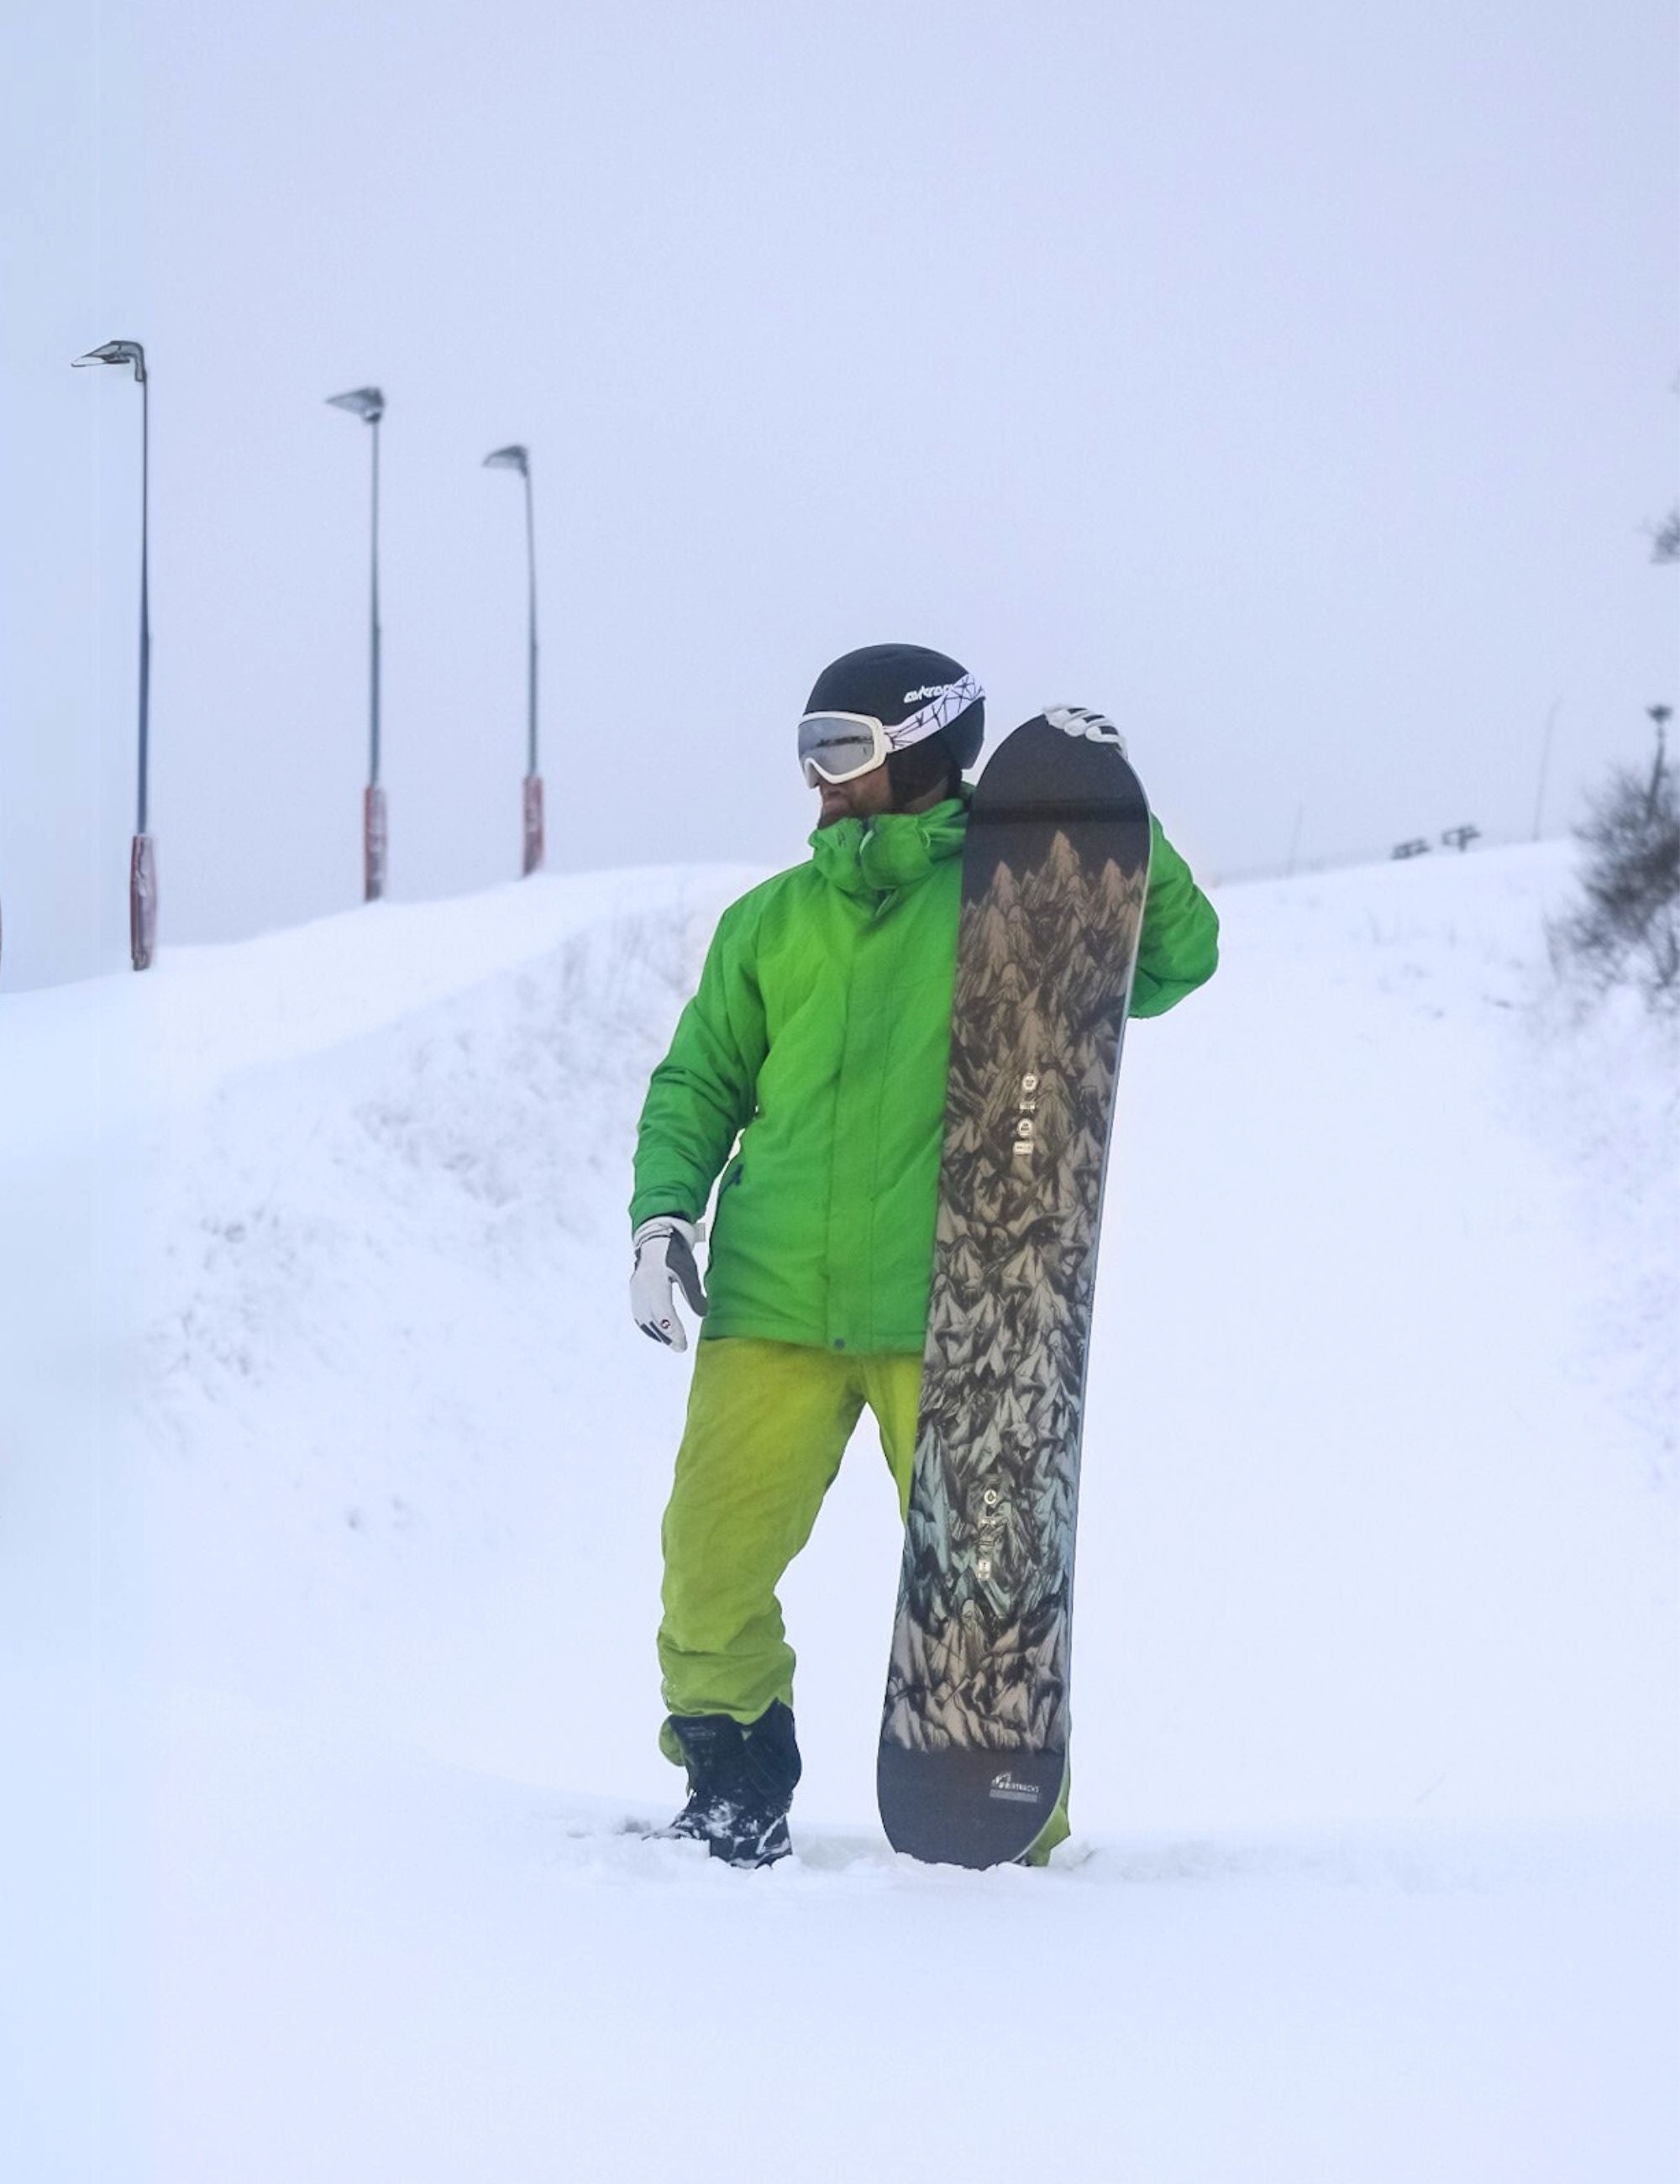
[974,1735]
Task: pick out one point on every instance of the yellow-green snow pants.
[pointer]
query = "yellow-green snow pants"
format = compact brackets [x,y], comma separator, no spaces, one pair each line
[768,1423]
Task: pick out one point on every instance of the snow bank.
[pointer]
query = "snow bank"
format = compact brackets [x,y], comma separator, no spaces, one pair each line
[1376,1600]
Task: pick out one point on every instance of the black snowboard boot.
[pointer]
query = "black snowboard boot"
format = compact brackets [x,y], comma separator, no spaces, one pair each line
[741,1781]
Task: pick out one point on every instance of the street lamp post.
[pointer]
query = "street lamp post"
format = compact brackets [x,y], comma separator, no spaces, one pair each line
[519,458]
[367,404]
[143,864]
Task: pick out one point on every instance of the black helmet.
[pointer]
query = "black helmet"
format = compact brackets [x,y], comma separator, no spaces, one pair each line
[918,696]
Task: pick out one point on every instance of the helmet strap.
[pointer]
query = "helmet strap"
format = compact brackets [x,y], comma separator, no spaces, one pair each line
[918,769]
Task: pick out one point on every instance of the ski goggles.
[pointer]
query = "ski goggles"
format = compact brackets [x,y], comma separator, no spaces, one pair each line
[837,747]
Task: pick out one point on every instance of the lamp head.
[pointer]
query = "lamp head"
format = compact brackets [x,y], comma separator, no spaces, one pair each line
[366,402]
[115,351]
[509,459]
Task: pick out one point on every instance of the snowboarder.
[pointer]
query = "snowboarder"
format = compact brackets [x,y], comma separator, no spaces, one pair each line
[810,1070]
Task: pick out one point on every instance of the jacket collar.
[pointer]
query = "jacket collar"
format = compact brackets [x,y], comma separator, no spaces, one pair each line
[878,856]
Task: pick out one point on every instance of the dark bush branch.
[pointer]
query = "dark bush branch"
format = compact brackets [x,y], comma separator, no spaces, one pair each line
[1627,930]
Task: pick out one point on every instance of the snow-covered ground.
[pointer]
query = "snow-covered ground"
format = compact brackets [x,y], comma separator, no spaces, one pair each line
[328,1576]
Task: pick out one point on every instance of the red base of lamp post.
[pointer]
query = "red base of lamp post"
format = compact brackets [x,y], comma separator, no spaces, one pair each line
[142,901]
[375,837]
[533,824]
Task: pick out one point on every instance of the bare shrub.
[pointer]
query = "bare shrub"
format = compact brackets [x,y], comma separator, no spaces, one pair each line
[1627,930]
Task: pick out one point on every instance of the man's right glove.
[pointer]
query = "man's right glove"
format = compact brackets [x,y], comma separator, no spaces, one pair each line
[665,1258]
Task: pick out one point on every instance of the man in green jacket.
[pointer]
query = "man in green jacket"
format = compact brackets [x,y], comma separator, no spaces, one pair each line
[809,1071]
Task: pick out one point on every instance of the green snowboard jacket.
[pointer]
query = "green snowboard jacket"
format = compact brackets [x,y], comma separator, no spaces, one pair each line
[819,1036]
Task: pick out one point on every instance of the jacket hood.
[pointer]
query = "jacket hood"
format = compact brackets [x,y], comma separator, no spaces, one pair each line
[878,856]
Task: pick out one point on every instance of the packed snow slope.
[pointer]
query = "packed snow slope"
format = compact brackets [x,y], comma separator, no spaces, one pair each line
[329,1574]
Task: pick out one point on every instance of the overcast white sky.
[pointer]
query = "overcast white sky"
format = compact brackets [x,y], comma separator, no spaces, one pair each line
[1293,381]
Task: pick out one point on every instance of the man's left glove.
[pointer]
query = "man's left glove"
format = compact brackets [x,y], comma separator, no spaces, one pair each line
[665,1259]
[1080,722]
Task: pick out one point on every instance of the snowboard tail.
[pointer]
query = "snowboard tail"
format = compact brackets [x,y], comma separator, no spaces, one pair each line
[974,1729]
[967,1807]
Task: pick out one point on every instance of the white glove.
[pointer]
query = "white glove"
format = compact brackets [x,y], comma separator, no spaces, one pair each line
[1081,720]
[664,1257]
